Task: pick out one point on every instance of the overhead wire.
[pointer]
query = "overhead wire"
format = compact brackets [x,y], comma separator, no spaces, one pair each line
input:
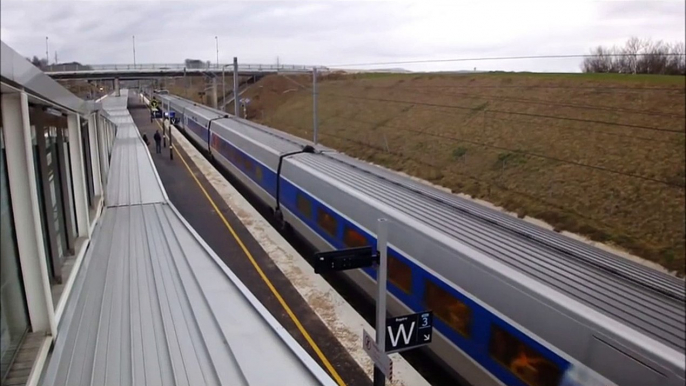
[506,112]
[528,196]
[532,154]
[480,180]
[533,101]
[493,117]
[478,59]
[556,159]
[604,88]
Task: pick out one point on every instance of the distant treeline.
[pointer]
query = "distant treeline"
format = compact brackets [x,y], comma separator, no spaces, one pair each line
[638,56]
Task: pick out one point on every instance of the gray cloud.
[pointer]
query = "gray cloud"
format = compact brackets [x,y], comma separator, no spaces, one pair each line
[641,10]
[334,32]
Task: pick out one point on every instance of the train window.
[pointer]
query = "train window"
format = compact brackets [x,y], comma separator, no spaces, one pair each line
[447,308]
[353,238]
[399,274]
[326,221]
[303,204]
[523,361]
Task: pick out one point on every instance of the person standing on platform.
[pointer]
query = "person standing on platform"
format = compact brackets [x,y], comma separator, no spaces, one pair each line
[158,140]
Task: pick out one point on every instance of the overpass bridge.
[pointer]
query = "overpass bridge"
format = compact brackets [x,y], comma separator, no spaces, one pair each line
[157,70]
[126,72]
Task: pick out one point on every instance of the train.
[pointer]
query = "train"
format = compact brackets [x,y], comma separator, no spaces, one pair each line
[514,303]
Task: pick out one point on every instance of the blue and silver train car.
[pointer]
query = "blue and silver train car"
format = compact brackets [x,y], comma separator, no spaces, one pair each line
[514,304]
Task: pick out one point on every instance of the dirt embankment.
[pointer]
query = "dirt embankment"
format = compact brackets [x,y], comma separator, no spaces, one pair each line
[598,155]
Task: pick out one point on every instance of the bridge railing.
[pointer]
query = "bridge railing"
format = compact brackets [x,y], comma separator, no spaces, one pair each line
[67,67]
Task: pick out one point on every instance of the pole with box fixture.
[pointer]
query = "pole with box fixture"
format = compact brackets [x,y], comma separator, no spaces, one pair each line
[392,334]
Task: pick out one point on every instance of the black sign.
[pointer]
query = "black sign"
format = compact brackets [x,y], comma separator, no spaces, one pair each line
[409,331]
[344,259]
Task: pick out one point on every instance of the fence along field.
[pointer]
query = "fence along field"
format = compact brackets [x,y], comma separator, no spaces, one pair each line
[601,155]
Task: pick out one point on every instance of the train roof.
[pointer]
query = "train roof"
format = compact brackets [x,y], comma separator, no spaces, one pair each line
[274,139]
[279,144]
[640,297]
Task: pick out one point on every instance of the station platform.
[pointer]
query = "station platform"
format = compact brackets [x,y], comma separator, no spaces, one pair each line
[153,304]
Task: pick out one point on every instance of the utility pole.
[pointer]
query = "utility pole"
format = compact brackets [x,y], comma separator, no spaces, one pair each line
[223,89]
[55,57]
[47,57]
[314,104]
[215,101]
[235,87]
[134,50]
[170,125]
[369,256]
[382,246]
[217,41]
[133,41]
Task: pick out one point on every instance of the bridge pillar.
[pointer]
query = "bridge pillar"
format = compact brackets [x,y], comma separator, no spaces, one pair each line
[215,104]
[116,87]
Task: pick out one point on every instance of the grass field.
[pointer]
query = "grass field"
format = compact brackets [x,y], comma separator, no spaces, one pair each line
[598,155]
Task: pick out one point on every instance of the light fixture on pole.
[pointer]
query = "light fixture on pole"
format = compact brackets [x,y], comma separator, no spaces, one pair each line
[217,41]
[47,57]
[223,89]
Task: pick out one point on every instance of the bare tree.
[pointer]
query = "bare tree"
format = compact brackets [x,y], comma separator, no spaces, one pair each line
[638,56]
[40,63]
[677,61]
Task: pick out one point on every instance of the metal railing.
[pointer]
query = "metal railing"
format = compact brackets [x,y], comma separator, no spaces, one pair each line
[70,67]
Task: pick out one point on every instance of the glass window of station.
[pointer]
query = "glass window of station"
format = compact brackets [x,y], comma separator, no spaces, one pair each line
[14,322]
[55,185]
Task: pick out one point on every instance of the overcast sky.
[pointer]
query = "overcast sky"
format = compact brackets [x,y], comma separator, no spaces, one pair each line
[335,32]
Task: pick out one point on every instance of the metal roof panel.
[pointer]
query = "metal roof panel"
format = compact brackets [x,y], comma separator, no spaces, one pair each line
[129,180]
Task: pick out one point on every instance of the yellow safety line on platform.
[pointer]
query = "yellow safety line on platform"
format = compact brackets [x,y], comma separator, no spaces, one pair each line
[276,293]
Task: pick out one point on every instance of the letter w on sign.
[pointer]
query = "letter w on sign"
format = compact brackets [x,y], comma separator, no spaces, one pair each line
[395,337]
[405,332]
